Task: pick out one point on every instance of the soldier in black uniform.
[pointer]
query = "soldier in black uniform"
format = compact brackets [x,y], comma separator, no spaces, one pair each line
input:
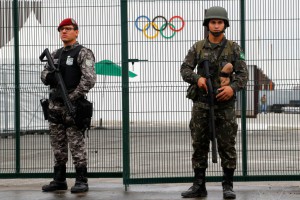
[76,65]
[220,53]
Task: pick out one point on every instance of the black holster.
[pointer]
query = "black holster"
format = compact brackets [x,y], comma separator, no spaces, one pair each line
[84,113]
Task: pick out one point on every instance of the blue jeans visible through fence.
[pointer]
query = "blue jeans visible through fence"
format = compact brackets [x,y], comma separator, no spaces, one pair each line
[263,108]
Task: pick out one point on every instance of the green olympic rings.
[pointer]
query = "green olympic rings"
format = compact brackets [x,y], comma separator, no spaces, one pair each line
[163,28]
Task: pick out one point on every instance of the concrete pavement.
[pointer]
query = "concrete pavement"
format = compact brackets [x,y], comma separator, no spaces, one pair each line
[113,189]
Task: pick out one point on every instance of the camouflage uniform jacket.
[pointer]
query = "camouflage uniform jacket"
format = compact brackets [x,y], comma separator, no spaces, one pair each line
[202,50]
[86,61]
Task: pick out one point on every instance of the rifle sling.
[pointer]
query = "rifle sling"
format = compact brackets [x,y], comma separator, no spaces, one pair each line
[221,49]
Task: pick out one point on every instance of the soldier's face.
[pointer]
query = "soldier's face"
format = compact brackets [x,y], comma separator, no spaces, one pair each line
[216,25]
[68,35]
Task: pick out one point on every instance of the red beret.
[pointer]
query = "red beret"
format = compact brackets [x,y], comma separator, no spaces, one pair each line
[68,21]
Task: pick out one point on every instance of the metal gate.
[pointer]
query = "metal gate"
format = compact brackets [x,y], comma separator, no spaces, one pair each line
[140,124]
[157,144]
[27,28]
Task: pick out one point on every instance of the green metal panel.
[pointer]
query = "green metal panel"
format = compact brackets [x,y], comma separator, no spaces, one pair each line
[140,124]
[160,146]
[160,142]
[27,152]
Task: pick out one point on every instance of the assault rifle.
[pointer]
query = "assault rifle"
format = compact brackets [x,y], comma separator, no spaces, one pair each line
[211,98]
[60,81]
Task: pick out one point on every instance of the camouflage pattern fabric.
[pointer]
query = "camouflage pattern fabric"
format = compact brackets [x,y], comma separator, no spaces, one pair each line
[205,50]
[226,126]
[63,130]
[86,60]
[226,130]
[59,137]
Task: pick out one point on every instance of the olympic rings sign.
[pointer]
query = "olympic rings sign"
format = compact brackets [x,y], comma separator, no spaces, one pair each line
[159,29]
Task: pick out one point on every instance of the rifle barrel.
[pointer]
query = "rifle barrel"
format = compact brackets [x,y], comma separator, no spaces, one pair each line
[212,128]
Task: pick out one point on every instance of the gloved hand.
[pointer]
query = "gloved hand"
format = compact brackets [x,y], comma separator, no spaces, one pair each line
[50,79]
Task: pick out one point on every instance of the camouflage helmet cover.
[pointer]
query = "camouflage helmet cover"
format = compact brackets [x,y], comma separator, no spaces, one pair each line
[216,12]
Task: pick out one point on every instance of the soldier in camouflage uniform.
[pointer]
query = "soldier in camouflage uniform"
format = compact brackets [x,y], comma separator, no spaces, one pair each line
[76,64]
[216,20]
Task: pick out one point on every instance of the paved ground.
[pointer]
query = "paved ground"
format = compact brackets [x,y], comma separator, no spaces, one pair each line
[113,189]
[153,150]
[272,149]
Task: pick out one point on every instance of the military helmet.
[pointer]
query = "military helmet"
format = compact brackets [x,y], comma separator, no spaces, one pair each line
[216,12]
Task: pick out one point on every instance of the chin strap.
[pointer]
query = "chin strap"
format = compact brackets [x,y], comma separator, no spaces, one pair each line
[217,34]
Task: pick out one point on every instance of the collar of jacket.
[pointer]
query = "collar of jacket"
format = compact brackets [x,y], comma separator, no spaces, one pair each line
[73,46]
[208,44]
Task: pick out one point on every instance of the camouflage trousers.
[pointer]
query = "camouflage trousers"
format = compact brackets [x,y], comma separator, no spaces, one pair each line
[64,132]
[226,131]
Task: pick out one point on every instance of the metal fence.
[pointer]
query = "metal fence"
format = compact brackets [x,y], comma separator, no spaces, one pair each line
[140,123]
[25,149]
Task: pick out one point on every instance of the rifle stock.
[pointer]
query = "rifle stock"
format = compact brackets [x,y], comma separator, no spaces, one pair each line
[212,128]
[59,79]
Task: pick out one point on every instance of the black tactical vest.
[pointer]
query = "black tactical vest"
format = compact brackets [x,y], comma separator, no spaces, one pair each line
[68,66]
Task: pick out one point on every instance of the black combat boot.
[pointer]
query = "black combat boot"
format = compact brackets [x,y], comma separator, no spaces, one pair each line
[59,182]
[81,184]
[198,188]
[227,184]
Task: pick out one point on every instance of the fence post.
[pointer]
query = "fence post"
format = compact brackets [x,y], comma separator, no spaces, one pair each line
[17,83]
[125,93]
[243,93]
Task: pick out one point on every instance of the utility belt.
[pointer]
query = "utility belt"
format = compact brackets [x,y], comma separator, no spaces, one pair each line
[204,103]
[197,96]
[217,105]
[55,94]
[84,110]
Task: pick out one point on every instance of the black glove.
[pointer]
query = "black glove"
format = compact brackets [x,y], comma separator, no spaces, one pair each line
[50,79]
